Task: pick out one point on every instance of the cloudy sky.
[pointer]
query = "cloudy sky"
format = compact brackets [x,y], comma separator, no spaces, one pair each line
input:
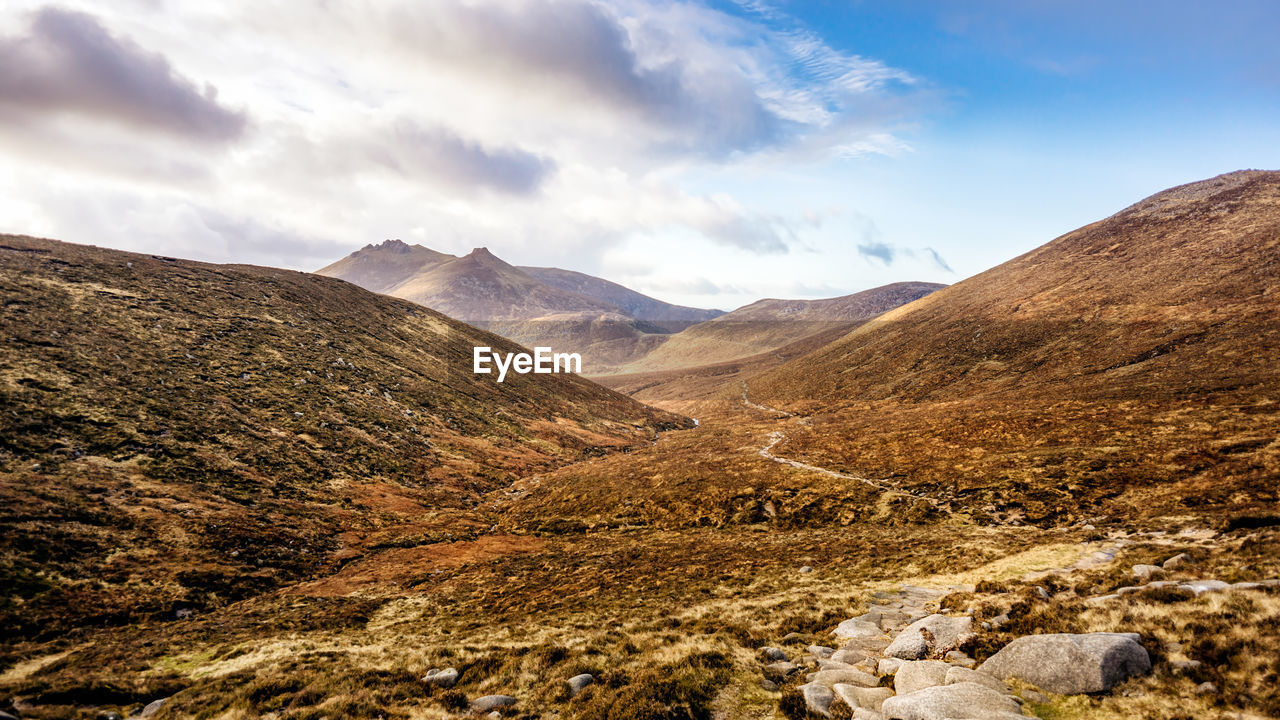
[708,153]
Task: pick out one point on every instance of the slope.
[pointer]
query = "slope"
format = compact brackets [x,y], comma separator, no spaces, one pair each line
[383,266]
[769,324]
[670,318]
[178,435]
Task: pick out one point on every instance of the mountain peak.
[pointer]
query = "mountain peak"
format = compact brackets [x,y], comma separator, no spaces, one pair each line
[480,253]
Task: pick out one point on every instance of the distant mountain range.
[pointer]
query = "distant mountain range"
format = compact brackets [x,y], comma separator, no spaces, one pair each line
[615,328]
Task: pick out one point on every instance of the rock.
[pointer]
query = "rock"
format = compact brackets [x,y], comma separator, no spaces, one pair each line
[768,685]
[806,569]
[578,682]
[821,651]
[1184,666]
[817,698]
[828,678]
[6,716]
[794,637]
[492,702]
[961,674]
[835,665]
[1070,664]
[1044,594]
[888,666]
[150,709]
[1176,561]
[1199,587]
[865,714]
[780,671]
[1101,599]
[1206,688]
[1129,590]
[932,635]
[849,654]
[445,678]
[959,701]
[1246,586]
[773,654]
[855,628]
[999,621]
[1144,572]
[862,697]
[1035,696]
[916,675]
[955,657]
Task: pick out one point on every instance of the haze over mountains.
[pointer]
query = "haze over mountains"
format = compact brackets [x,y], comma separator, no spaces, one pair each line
[616,329]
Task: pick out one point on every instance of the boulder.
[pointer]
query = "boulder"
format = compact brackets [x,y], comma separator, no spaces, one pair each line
[446,678]
[773,654]
[931,635]
[780,671]
[962,674]
[1069,664]
[888,666]
[916,675]
[850,654]
[817,698]
[820,651]
[862,697]
[1143,572]
[865,714]
[578,682]
[150,709]
[960,701]
[1176,561]
[955,657]
[492,702]
[1199,587]
[828,678]
[855,628]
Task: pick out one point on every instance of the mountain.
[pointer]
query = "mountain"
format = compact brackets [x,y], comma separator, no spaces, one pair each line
[770,324]
[1128,365]
[668,317]
[178,435]
[568,311]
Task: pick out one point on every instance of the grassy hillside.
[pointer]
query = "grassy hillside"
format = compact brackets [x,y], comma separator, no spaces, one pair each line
[178,435]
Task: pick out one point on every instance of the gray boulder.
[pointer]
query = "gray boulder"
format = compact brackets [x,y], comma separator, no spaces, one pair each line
[817,698]
[963,674]
[932,635]
[445,678]
[862,697]
[959,702]
[849,676]
[865,714]
[849,654]
[578,682]
[857,628]
[773,654]
[780,670]
[150,709]
[1143,572]
[916,675]
[1069,664]
[492,702]
[888,666]
[1199,587]
[1176,561]
[820,651]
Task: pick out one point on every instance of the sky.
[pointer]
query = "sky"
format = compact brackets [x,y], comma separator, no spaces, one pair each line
[706,153]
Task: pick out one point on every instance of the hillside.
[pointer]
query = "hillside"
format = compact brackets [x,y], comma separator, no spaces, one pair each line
[569,311]
[1128,363]
[670,318]
[179,435]
[770,324]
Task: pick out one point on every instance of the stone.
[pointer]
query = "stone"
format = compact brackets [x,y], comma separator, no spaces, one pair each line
[862,697]
[932,635]
[492,702]
[794,637]
[999,621]
[150,709]
[961,674]
[817,698]
[916,675]
[888,666]
[1246,586]
[806,569]
[828,678]
[855,628]
[1035,696]
[773,654]
[1101,599]
[445,678]
[834,665]
[865,714]
[1206,688]
[768,685]
[955,657]
[780,671]
[1184,666]
[1144,572]
[850,655]
[1176,561]
[1199,587]
[1070,664]
[821,651]
[959,702]
[578,682]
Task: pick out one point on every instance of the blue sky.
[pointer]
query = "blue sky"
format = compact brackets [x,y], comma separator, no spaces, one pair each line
[706,153]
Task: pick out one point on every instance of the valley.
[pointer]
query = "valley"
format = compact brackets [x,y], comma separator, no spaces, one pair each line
[251,492]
